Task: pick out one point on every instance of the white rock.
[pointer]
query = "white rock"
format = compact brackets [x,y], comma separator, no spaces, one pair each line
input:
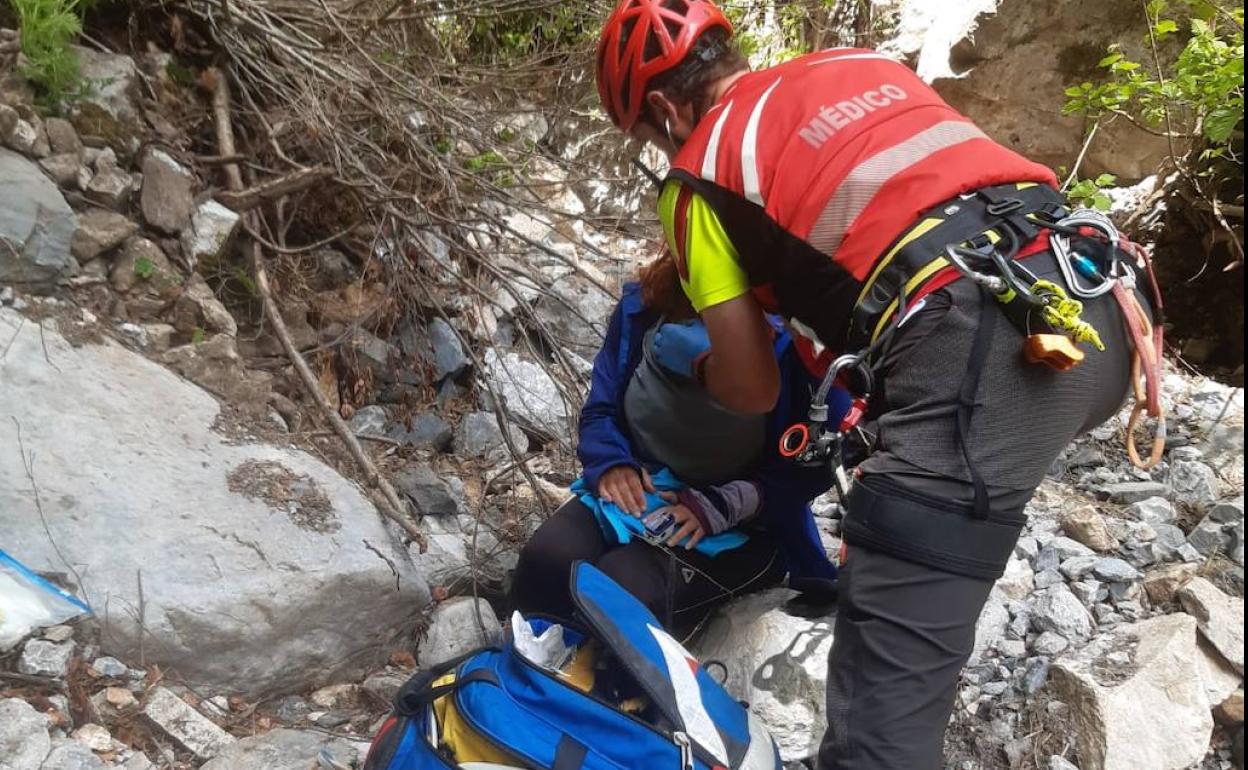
[532,396]
[24,740]
[778,663]
[458,626]
[246,594]
[1194,483]
[71,755]
[186,726]
[43,658]
[991,626]
[1221,618]
[283,749]
[93,736]
[1153,713]
[211,228]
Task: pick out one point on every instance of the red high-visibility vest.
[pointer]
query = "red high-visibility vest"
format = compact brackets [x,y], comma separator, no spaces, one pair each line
[817,165]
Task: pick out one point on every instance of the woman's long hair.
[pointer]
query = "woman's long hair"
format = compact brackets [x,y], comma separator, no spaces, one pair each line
[661,291]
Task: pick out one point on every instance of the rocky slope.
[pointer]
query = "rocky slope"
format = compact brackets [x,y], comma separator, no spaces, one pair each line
[251,606]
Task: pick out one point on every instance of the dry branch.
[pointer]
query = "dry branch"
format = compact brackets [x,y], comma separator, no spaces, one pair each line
[272,189]
[386,498]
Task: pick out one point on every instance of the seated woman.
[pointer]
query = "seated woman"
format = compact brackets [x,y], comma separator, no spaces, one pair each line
[653,442]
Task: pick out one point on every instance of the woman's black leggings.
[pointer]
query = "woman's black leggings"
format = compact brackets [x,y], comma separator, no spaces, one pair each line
[680,587]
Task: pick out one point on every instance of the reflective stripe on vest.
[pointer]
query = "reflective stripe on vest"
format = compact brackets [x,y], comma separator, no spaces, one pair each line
[842,151]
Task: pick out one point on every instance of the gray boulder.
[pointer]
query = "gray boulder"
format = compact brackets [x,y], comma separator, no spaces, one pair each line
[100,231]
[458,626]
[1128,492]
[531,394]
[1137,697]
[167,198]
[36,225]
[1194,483]
[265,576]
[1219,616]
[108,108]
[430,492]
[284,749]
[24,739]
[478,435]
[1154,511]
[209,233]
[445,352]
[71,755]
[1059,611]
[778,663]
[43,658]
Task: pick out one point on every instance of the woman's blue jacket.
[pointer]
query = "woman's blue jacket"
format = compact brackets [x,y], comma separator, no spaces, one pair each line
[787,487]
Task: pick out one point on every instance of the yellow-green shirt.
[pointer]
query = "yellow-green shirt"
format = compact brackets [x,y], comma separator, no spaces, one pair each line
[710,272]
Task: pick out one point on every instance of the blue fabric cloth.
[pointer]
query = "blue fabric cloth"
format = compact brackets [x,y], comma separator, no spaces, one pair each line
[787,487]
[623,526]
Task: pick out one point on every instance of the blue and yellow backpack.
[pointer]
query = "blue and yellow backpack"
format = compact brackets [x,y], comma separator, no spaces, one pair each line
[629,698]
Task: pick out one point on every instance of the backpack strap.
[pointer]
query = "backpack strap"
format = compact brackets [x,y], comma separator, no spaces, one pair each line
[419,692]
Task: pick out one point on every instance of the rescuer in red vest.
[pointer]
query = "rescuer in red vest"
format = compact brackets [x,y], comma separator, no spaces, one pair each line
[827,189]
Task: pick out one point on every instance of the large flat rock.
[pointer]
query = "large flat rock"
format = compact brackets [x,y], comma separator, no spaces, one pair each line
[243,566]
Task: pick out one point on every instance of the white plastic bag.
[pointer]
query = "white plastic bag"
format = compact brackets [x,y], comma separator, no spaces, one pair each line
[27,602]
[549,650]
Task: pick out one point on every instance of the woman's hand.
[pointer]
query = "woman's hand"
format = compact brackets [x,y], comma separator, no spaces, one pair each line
[687,526]
[625,486]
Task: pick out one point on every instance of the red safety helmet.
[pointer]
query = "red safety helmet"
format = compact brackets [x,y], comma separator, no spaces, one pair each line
[642,39]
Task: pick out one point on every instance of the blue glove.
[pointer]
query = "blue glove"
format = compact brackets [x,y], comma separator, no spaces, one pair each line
[679,348]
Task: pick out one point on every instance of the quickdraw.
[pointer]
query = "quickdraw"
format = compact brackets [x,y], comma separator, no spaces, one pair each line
[813,442]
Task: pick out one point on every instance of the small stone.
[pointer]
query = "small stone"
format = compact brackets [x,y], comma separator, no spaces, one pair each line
[8,122]
[428,490]
[110,667]
[1162,585]
[1012,648]
[447,354]
[138,761]
[71,755]
[384,685]
[1027,547]
[458,626]
[1154,511]
[1058,610]
[99,231]
[62,169]
[211,228]
[184,725]
[1228,511]
[1188,553]
[1209,538]
[1231,710]
[1060,763]
[369,421]
[62,138]
[22,137]
[110,187]
[58,633]
[1115,570]
[337,697]
[119,697]
[197,307]
[93,736]
[1219,617]
[1088,592]
[1037,674]
[1067,548]
[142,264]
[1087,526]
[478,435]
[292,709]
[428,431]
[331,719]
[1194,483]
[43,658]
[1048,578]
[24,739]
[1076,567]
[1128,492]
[167,198]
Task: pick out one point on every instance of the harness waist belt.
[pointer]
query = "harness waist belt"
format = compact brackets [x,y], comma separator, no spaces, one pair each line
[886,517]
[917,256]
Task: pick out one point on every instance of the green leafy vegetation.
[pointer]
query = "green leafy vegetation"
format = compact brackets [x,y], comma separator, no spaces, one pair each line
[144,268]
[1201,96]
[1090,193]
[47,29]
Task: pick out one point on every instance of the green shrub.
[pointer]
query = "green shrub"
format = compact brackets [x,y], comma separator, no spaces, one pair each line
[47,29]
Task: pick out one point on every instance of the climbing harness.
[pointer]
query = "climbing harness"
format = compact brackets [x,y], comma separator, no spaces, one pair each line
[812,442]
[980,235]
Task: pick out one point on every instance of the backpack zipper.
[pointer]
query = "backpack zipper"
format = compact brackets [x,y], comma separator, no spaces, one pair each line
[686,749]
